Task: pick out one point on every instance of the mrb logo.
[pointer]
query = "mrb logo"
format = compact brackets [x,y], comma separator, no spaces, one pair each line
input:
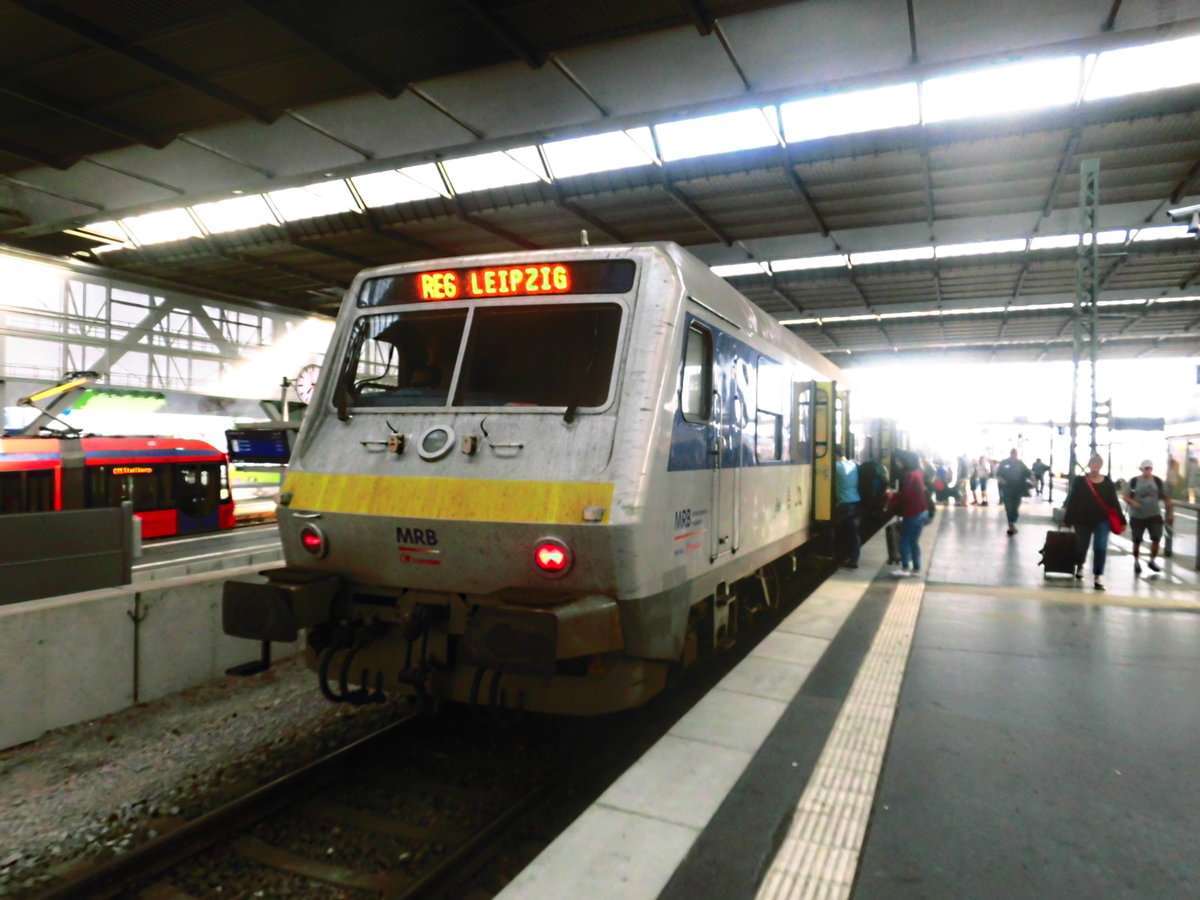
[417,537]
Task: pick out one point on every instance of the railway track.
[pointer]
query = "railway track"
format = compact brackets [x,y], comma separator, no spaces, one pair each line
[411,811]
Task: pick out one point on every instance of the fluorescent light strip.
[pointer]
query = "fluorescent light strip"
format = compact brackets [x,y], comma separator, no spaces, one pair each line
[980,310]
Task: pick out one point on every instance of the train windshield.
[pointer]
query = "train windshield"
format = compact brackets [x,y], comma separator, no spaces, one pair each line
[556,356]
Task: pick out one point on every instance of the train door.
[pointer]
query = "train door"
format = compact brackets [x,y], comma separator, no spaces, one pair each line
[729,421]
[824,436]
[197,492]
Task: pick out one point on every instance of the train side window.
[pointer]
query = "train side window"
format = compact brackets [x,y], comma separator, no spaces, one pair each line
[771,429]
[10,492]
[803,405]
[695,383]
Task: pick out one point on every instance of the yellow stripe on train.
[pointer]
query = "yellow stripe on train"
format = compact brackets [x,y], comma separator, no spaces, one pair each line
[465,499]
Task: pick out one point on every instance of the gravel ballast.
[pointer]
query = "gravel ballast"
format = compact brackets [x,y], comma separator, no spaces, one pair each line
[88,791]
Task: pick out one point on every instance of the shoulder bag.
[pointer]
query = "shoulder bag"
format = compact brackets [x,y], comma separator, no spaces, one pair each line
[1115,522]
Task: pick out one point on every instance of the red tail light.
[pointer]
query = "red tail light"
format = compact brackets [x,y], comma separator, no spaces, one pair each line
[552,556]
[312,540]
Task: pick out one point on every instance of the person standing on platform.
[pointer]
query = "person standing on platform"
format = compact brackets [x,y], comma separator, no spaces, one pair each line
[849,506]
[1013,476]
[981,471]
[962,476]
[910,503]
[1090,501]
[1143,494]
[1039,470]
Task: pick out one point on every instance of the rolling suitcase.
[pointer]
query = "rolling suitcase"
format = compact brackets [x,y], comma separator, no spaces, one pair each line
[1058,553]
[892,533]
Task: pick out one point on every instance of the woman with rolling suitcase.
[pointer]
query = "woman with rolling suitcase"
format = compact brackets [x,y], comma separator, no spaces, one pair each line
[1093,510]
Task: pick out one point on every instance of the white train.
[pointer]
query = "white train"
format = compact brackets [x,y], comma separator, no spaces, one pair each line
[543,480]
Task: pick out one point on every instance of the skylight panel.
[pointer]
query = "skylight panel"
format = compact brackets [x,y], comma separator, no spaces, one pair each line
[979,248]
[1054,241]
[487,170]
[1151,67]
[235,213]
[160,227]
[109,229]
[428,176]
[808,262]
[886,256]
[736,269]
[997,90]
[1116,236]
[895,106]
[386,188]
[1162,233]
[724,133]
[596,153]
[531,159]
[325,198]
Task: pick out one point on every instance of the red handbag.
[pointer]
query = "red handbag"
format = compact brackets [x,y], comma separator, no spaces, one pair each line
[1115,522]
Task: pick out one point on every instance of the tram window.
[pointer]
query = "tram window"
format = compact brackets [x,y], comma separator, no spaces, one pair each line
[540,355]
[39,491]
[11,490]
[695,382]
[404,359]
[146,490]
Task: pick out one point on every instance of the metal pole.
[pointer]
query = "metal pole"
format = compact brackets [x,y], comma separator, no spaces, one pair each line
[1087,260]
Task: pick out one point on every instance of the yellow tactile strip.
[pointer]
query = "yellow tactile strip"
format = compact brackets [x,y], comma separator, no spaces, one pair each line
[819,856]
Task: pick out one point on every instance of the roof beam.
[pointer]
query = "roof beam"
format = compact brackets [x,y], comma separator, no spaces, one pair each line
[509,36]
[77,25]
[319,42]
[283,268]
[72,110]
[697,213]
[802,188]
[332,252]
[29,154]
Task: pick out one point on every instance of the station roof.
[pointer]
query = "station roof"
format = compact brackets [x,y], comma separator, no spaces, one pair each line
[915,229]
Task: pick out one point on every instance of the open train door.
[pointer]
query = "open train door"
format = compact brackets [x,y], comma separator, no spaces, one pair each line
[825,431]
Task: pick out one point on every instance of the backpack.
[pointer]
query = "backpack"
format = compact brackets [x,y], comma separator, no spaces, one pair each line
[872,487]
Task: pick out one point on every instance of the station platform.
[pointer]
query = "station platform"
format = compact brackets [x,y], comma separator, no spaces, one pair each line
[984,731]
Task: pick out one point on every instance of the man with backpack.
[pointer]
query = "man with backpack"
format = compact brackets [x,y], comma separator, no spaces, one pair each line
[1143,494]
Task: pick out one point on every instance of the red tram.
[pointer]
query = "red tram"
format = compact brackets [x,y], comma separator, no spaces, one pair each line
[176,486]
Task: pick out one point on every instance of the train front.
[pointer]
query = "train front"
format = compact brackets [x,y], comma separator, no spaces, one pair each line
[447,515]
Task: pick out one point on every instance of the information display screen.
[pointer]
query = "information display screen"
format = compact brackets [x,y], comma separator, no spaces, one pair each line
[260,445]
[592,276]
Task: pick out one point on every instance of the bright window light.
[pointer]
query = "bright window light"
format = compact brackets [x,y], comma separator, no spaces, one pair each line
[109,229]
[596,153]
[1151,67]
[531,160]
[732,271]
[978,248]
[160,227]
[386,188]
[235,213]
[427,175]
[886,256]
[487,170]
[1162,233]
[998,90]
[1054,241]
[322,199]
[724,133]
[808,262]
[1107,237]
[894,106]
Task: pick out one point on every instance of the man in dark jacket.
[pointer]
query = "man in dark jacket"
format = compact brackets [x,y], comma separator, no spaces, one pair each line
[1014,478]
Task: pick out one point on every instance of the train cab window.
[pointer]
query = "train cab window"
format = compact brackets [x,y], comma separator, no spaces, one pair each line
[403,359]
[555,356]
[771,424]
[695,382]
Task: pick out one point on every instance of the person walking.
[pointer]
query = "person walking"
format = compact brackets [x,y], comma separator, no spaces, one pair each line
[1014,477]
[849,506]
[1091,509]
[981,471]
[961,477]
[1039,470]
[911,504]
[1144,494]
